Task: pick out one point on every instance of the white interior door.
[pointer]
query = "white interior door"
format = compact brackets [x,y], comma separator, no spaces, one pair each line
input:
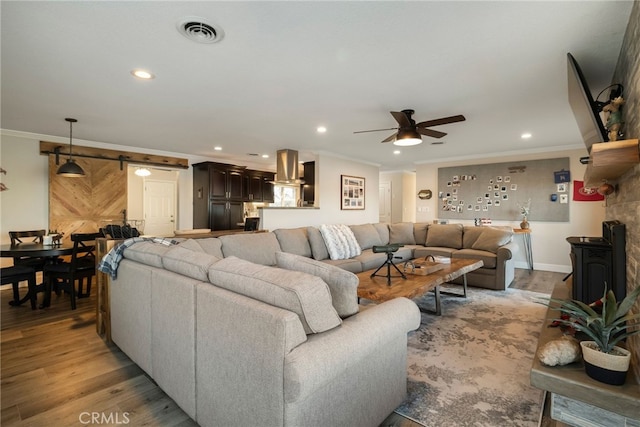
[159,208]
[384,199]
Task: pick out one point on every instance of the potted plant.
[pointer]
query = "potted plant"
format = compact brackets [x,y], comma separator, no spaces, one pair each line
[605,323]
[524,211]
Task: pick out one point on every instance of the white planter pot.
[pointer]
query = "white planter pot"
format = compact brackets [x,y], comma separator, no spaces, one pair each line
[604,367]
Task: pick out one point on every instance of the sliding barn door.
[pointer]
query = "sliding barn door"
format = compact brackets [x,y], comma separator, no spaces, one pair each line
[84,204]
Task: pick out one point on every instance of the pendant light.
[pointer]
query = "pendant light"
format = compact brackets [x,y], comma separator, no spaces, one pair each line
[70,169]
[142,172]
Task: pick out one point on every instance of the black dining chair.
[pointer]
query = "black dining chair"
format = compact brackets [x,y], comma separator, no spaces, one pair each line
[63,276]
[15,275]
[35,236]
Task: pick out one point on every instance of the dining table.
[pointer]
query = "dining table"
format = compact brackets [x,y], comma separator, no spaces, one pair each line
[34,250]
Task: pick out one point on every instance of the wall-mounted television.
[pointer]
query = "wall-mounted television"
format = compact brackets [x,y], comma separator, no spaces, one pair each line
[583,106]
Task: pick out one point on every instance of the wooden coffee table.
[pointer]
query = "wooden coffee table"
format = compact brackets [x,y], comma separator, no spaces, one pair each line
[415,285]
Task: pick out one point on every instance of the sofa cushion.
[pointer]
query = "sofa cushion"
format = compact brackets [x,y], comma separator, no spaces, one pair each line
[420,232]
[366,235]
[189,263]
[259,248]
[351,264]
[342,284]
[340,241]
[306,295]
[294,241]
[318,248]
[470,235]
[445,235]
[383,231]
[491,239]
[401,233]
[488,258]
[148,253]
[191,244]
[209,245]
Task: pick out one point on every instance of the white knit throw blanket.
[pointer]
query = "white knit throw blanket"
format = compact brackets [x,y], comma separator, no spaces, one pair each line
[340,241]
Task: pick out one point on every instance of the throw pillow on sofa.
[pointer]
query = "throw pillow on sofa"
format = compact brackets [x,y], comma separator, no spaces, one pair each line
[445,236]
[294,240]
[340,241]
[366,235]
[306,295]
[491,239]
[342,283]
[401,233]
[318,248]
[190,263]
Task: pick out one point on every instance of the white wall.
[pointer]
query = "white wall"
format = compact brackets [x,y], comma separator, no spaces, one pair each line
[327,211]
[550,248]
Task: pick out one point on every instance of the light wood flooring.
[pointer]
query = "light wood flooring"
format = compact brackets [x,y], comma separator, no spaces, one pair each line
[56,371]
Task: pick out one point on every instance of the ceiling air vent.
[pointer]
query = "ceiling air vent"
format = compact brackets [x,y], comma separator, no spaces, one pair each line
[200,31]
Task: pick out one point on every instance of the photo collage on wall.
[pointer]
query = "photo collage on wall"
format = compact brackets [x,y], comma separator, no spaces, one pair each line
[352,192]
[503,191]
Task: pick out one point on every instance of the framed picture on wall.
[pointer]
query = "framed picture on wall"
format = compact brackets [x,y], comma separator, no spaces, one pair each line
[351,192]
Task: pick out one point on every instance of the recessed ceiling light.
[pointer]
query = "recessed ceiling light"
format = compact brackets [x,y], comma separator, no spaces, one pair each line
[396,151]
[321,129]
[142,74]
[526,135]
[217,148]
[265,156]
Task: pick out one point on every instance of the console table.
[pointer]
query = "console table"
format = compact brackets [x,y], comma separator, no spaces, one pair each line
[526,239]
[577,399]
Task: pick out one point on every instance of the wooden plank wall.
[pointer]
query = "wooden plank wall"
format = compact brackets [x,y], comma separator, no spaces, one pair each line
[82,204]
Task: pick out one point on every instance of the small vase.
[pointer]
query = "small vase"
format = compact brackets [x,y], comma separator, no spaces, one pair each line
[607,368]
[524,224]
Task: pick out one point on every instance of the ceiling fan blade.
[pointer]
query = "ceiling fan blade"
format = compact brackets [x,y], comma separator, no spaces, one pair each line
[391,138]
[401,118]
[430,132]
[442,121]
[374,130]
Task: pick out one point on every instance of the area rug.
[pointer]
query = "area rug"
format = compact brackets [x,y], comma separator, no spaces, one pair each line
[470,366]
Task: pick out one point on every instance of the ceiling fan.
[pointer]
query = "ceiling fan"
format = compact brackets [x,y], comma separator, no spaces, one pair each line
[409,132]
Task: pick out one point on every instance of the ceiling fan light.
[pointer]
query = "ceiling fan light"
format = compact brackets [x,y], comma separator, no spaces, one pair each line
[407,138]
[70,170]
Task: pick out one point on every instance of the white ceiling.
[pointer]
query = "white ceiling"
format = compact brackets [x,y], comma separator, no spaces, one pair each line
[284,68]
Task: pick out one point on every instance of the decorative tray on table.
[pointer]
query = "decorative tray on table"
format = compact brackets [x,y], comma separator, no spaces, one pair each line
[423,267]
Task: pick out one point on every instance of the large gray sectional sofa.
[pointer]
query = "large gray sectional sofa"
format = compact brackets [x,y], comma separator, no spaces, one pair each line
[264,329]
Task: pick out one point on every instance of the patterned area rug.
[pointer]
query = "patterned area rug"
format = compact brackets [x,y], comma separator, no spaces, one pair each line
[470,367]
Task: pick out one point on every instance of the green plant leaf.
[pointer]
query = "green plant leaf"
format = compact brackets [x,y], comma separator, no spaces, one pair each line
[628,302]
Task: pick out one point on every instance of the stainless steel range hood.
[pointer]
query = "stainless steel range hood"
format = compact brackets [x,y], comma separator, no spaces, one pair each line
[287,167]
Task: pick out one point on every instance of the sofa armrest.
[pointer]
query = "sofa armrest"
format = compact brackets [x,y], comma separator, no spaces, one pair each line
[506,252]
[361,339]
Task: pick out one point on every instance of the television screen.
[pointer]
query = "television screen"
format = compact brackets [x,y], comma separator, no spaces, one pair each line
[583,106]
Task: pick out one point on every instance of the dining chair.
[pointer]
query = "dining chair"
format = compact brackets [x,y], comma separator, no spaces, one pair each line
[15,275]
[82,266]
[36,236]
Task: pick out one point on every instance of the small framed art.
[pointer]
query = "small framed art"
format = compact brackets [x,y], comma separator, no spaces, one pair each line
[352,192]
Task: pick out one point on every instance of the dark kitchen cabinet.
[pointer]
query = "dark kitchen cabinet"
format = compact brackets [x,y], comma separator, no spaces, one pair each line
[309,188]
[219,191]
[225,215]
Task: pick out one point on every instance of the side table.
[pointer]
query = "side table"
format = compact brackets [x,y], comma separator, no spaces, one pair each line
[526,239]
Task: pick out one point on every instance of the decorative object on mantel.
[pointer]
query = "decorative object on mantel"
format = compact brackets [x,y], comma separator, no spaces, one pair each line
[524,211]
[614,119]
[605,189]
[71,169]
[560,352]
[2,186]
[606,322]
